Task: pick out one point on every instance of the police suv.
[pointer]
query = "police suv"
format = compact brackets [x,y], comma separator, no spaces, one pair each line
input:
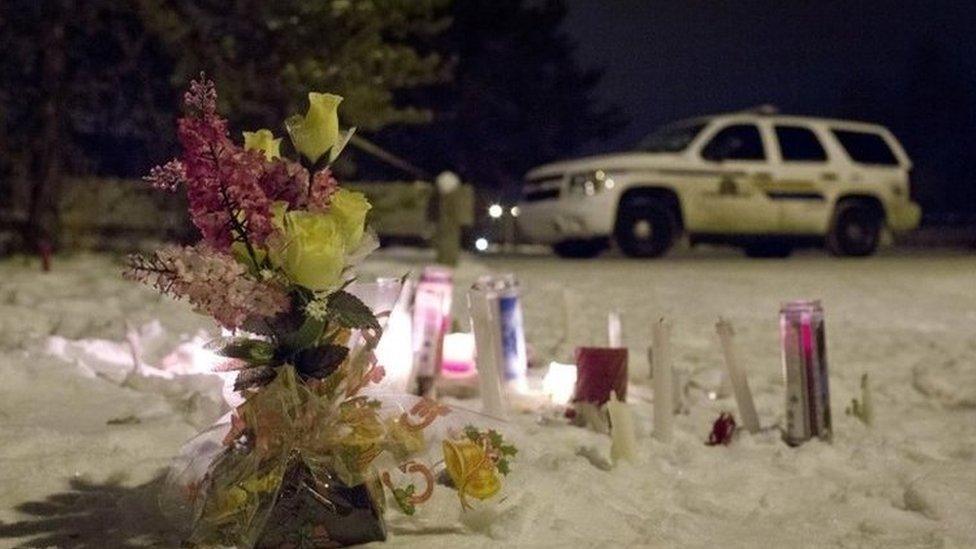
[762,181]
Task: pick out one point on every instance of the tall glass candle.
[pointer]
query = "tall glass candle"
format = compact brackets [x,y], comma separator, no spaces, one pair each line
[431,319]
[805,371]
[502,304]
[487,337]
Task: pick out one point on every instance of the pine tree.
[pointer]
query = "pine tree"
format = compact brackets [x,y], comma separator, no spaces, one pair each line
[91,86]
[518,98]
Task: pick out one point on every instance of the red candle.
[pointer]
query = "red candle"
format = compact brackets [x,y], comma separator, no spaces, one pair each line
[600,370]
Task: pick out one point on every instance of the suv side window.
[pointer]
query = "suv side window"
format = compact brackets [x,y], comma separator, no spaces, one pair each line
[735,142]
[866,147]
[799,144]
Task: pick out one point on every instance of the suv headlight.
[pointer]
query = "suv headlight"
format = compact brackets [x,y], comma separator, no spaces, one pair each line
[590,183]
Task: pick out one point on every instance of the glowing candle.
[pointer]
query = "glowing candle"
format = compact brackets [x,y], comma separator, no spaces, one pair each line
[740,385]
[395,349]
[663,384]
[623,443]
[559,382]
[614,330]
[458,357]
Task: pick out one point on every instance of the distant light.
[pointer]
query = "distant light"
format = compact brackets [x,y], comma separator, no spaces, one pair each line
[481,244]
[495,211]
[608,183]
[515,211]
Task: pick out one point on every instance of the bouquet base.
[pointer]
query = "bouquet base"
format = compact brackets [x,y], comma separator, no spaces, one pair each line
[317,511]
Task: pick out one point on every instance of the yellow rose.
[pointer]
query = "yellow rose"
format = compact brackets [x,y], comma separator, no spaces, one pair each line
[309,247]
[472,472]
[264,141]
[349,209]
[317,131]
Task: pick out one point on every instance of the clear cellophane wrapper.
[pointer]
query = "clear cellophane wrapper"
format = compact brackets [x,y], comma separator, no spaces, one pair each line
[316,463]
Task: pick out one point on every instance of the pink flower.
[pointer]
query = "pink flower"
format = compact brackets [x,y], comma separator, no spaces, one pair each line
[167,177]
[323,187]
[230,190]
[285,180]
[227,202]
[202,95]
[213,282]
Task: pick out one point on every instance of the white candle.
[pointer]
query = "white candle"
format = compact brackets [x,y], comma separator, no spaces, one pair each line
[663,384]
[680,382]
[650,362]
[623,443]
[487,337]
[614,330]
[740,385]
[867,407]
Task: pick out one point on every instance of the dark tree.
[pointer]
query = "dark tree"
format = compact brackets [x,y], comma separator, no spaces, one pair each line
[519,98]
[265,56]
[79,90]
[939,130]
[92,86]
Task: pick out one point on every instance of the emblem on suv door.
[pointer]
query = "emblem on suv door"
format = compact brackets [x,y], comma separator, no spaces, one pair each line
[727,185]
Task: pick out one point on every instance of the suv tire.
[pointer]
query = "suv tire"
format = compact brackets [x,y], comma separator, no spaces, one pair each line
[855,230]
[646,228]
[579,249]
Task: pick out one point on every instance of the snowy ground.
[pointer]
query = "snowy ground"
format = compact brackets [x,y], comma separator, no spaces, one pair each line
[82,441]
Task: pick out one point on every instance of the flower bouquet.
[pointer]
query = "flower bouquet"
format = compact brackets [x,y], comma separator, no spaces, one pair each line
[299,462]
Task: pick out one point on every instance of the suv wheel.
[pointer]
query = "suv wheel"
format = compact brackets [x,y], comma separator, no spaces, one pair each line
[580,249]
[646,228]
[856,229]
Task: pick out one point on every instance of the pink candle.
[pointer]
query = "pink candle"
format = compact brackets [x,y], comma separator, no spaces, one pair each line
[457,359]
[431,318]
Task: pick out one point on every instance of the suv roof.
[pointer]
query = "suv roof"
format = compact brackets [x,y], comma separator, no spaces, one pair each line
[764,114]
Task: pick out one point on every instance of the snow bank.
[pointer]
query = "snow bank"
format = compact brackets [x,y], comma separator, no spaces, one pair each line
[85,428]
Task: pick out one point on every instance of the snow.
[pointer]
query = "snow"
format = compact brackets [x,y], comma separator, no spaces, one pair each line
[85,432]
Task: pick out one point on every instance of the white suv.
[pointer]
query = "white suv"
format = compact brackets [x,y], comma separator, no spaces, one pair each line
[765,182]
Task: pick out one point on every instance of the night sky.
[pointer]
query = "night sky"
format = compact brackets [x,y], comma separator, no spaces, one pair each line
[669,59]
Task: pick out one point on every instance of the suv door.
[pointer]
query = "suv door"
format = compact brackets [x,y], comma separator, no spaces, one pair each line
[802,179]
[729,201]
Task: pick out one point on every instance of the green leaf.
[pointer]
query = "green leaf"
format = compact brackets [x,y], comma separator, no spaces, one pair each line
[254,377]
[348,311]
[253,351]
[307,335]
[472,432]
[495,439]
[503,467]
[401,496]
[319,362]
[508,450]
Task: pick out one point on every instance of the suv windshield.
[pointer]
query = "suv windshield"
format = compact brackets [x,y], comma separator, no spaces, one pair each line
[671,138]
